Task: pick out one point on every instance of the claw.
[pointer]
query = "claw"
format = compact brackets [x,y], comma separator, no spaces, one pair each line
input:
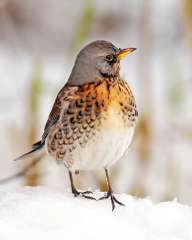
[76,192]
[82,194]
[88,197]
[113,199]
[87,192]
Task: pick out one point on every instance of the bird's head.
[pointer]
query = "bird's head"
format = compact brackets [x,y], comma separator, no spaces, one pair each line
[99,59]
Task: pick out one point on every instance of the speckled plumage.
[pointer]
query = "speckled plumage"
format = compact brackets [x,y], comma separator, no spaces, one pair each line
[92,121]
[86,113]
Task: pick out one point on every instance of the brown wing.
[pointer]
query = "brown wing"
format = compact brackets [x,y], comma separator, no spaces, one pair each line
[77,122]
[60,104]
[64,95]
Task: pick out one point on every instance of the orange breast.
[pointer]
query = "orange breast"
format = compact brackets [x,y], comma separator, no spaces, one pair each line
[117,98]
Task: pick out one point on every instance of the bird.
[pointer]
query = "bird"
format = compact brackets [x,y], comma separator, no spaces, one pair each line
[93,118]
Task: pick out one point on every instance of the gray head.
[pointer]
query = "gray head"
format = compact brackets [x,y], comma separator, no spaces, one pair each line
[97,60]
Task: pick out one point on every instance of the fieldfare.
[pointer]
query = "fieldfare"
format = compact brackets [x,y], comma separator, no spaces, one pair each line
[93,118]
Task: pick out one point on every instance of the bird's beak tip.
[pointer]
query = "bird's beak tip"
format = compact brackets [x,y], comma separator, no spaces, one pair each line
[123,52]
[133,49]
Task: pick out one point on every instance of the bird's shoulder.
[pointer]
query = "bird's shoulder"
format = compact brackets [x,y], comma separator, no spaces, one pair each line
[63,97]
[75,102]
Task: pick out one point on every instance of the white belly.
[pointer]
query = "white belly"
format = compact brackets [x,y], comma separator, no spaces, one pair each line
[106,147]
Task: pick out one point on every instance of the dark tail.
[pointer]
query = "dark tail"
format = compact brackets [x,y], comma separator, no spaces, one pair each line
[35,148]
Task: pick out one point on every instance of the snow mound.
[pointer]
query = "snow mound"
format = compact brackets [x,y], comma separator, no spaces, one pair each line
[41,213]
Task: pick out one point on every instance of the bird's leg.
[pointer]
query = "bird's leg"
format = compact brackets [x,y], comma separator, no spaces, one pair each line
[73,189]
[76,192]
[110,193]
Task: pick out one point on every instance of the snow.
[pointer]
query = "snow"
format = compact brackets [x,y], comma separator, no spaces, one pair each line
[43,213]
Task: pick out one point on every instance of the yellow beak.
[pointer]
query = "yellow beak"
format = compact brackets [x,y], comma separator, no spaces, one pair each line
[123,52]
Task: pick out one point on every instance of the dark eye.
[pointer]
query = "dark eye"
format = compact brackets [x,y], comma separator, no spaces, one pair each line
[110,58]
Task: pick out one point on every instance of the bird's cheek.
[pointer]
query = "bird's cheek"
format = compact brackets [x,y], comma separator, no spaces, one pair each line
[104,69]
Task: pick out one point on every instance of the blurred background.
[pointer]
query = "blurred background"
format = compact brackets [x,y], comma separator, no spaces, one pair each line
[38,44]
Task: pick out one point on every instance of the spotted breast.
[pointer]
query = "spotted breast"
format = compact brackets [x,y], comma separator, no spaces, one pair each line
[96,126]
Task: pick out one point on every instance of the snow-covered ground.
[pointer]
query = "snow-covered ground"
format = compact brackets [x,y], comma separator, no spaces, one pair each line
[42,213]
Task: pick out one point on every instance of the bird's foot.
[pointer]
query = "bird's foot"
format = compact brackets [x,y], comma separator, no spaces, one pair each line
[82,194]
[114,200]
